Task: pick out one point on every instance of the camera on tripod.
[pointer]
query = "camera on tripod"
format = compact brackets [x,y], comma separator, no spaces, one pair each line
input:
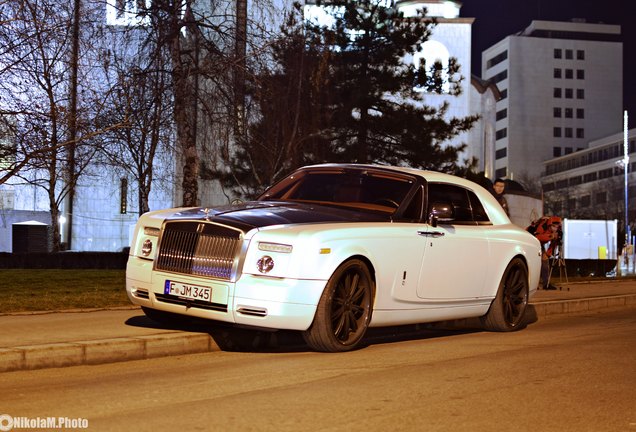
[559,236]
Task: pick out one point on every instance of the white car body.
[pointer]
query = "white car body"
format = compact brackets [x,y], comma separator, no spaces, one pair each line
[420,272]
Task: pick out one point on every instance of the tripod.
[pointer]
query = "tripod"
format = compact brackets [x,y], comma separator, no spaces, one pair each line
[558,261]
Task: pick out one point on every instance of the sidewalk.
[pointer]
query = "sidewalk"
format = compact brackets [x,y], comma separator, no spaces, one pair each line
[56,339]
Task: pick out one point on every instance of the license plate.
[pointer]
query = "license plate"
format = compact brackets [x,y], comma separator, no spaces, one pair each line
[187,291]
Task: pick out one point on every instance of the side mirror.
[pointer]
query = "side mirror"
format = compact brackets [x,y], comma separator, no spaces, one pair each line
[441,212]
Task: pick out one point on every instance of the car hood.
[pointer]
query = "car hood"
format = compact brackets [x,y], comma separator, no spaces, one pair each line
[258,214]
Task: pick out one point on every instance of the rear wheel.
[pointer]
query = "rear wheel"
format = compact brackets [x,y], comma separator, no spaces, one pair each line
[344,309]
[508,309]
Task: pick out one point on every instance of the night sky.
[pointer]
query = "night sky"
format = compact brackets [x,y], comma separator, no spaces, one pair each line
[496,19]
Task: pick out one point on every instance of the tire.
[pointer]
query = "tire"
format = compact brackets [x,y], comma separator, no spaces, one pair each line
[344,310]
[508,309]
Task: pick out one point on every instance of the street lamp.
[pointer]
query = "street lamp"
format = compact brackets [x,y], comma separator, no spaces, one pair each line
[626,165]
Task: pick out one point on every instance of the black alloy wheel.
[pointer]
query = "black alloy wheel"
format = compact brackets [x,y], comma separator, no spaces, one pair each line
[507,310]
[344,310]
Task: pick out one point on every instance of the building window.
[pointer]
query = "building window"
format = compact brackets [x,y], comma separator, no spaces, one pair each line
[585,201]
[556,112]
[580,74]
[123,197]
[501,133]
[580,113]
[606,173]
[557,73]
[590,177]
[601,197]
[557,53]
[557,92]
[569,73]
[580,55]
[502,114]
[568,150]
[504,94]
[568,134]
[497,59]
[580,93]
[501,153]
[501,172]
[580,133]
[556,151]
[569,54]
[569,93]
[572,204]
[556,132]
[499,77]
[569,113]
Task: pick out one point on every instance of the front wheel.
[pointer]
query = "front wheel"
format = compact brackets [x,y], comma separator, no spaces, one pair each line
[508,309]
[344,309]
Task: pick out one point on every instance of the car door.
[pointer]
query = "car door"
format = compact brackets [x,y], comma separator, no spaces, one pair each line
[406,262]
[457,252]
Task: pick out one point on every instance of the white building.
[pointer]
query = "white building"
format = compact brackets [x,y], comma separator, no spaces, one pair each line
[452,37]
[105,208]
[591,182]
[561,86]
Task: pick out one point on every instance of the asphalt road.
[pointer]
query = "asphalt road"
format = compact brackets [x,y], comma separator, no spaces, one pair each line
[565,373]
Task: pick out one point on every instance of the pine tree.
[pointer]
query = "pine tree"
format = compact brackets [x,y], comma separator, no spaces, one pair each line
[345,93]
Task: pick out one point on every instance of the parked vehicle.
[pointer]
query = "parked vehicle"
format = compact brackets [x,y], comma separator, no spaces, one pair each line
[334,249]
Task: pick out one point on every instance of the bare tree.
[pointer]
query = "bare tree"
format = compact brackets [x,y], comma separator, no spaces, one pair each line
[139,96]
[208,48]
[50,137]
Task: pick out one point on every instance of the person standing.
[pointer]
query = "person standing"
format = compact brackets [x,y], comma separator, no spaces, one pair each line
[498,190]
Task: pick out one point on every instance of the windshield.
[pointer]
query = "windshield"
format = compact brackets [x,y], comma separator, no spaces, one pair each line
[363,189]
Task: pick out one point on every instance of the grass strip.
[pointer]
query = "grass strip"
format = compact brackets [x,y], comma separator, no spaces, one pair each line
[24,290]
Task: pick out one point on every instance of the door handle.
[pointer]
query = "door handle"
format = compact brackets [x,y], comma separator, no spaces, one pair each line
[433,234]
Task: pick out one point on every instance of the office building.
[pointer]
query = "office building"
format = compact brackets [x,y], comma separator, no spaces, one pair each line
[561,87]
[590,184]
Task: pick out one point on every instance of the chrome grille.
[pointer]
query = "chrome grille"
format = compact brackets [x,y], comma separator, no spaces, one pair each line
[198,248]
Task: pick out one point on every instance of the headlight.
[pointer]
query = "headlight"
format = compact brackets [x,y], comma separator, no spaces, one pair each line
[147,242]
[146,248]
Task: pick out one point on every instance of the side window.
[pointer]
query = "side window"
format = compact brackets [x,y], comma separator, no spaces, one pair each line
[457,196]
[466,205]
[479,214]
[413,212]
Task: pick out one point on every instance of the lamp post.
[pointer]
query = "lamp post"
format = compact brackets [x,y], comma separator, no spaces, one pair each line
[626,165]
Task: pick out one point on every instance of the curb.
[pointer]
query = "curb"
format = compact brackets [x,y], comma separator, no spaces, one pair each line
[104,351]
[114,350]
[560,307]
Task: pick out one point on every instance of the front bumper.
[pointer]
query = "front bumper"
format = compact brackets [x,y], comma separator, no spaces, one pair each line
[258,301]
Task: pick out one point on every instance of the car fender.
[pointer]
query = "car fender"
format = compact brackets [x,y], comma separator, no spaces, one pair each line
[526,246]
[317,251]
